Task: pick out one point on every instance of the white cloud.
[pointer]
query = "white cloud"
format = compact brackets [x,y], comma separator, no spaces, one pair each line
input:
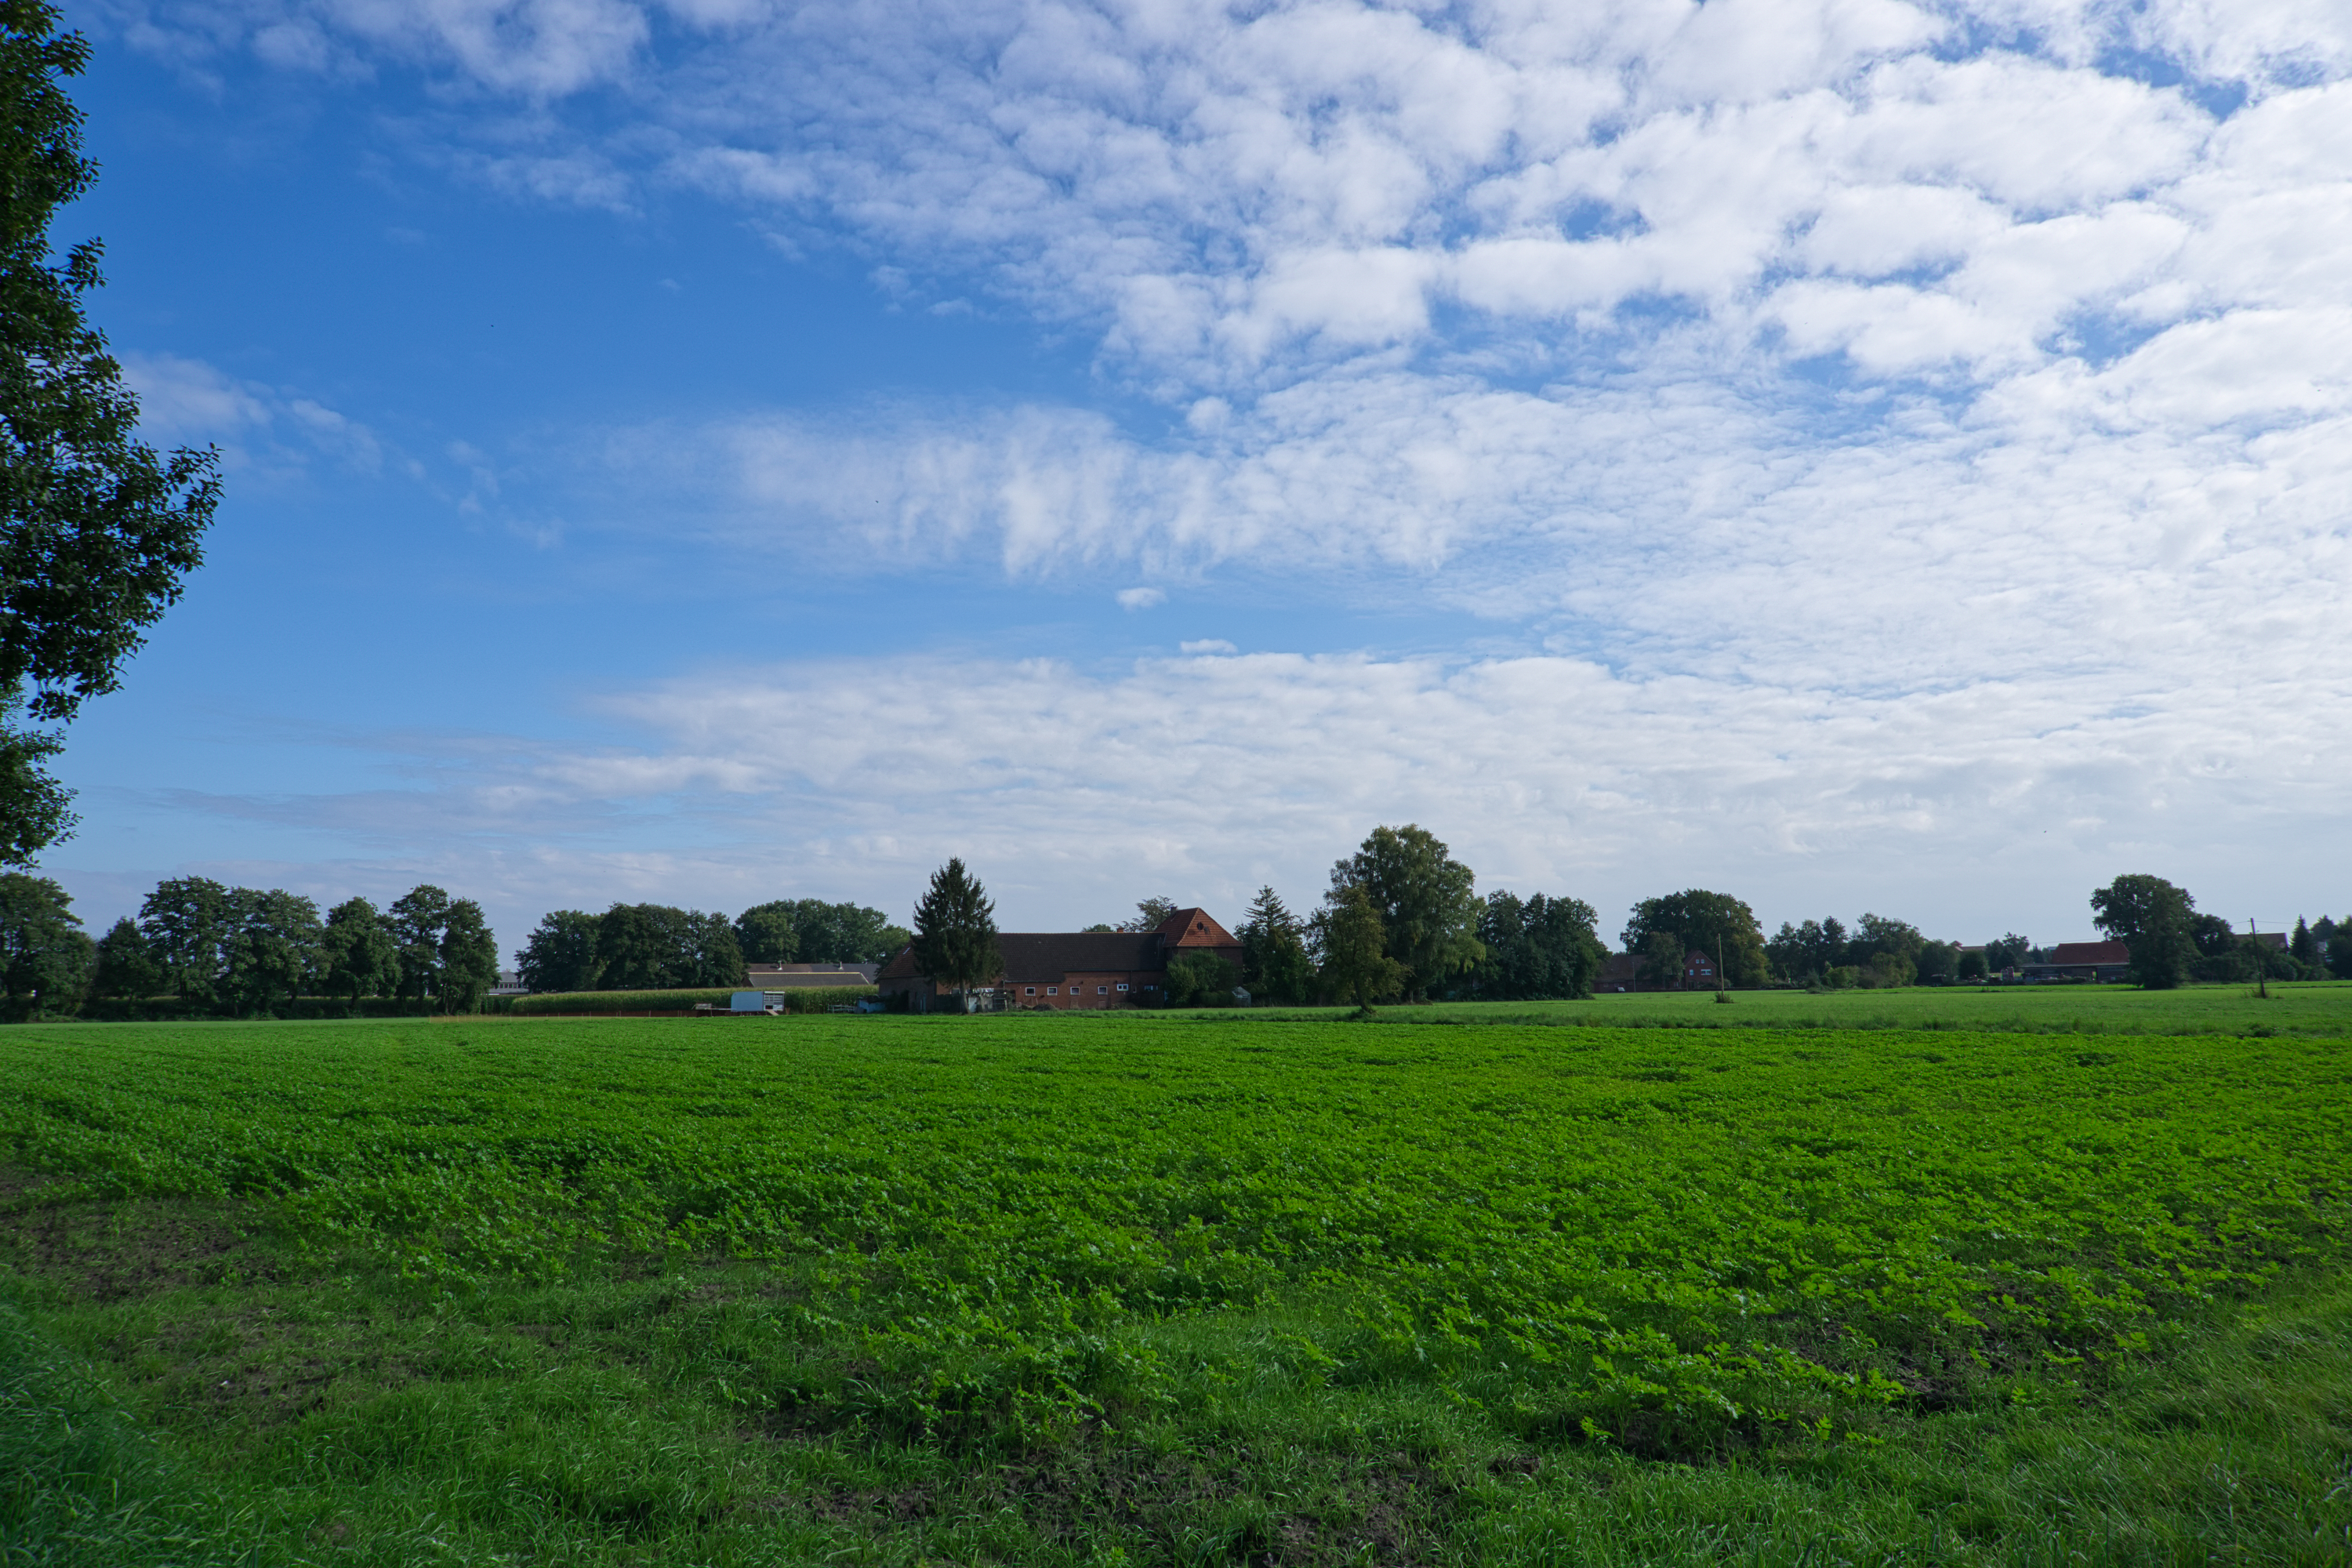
[1928,422]
[1969,809]
[1139,598]
[1207,646]
[262,431]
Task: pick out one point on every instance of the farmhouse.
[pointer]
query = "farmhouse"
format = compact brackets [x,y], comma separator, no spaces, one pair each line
[1622,971]
[2099,961]
[1063,970]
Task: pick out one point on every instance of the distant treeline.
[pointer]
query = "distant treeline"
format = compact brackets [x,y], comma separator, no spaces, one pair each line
[242,951]
[658,947]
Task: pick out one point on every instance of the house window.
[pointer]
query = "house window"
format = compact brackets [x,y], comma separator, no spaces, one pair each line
[1122,985]
[1028,991]
[1102,990]
[1050,990]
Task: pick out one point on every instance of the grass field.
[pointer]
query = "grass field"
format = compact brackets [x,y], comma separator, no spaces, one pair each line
[1557,1284]
[2324,1008]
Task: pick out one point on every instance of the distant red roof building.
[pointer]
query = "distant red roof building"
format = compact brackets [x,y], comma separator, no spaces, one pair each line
[1063,969]
[2101,960]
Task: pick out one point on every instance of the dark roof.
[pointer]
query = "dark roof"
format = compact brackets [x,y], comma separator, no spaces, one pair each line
[2072,953]
[1049,955]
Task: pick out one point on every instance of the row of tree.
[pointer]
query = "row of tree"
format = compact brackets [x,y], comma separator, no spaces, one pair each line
[658,947]
[242,950]
[1401,917]
[2171,943]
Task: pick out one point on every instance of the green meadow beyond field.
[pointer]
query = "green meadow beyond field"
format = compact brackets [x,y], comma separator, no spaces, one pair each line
[1949,1281]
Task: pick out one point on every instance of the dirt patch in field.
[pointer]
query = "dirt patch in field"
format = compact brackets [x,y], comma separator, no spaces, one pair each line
[1160,1509]
[110,1250]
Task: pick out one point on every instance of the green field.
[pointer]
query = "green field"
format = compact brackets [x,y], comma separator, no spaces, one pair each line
[1866,1278]
[2296,1007]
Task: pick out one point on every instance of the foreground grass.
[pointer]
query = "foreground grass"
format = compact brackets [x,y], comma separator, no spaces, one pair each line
[1157,1290]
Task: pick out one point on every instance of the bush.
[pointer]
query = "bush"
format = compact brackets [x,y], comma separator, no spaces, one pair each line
[1201,980]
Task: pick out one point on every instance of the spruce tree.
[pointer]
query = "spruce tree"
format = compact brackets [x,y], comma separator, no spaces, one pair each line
[955,931]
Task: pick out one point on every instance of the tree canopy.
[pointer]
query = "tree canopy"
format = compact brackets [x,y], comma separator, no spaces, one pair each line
[1538,947]
[659,947]
[1426,902]
[2155,920]
[97,532]
[1704,922]
[1148,913]
[357,956]
[1353,949]
[810,930]
[44,956]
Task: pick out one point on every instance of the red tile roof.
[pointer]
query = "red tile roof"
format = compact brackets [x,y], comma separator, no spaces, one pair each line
[2067,952]
[1194,928]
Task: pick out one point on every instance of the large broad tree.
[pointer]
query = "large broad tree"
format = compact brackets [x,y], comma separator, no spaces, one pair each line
[2155,920]
[660,947]
[186,922]
[97,530]
[1353,949]
[1704,922]
[955,931]
[810,930]
[1537,947]
[635,945]
[469,957]
[357,955]
[560,955]
[418,917]
[768,933]
[126,969]
[272,949]
[44,956]
[1427,901]
[711,957]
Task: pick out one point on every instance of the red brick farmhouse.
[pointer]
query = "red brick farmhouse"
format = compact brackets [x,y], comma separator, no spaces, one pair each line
[1070,969]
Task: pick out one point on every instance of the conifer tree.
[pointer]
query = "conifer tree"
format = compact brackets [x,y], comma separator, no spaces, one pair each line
[955,931]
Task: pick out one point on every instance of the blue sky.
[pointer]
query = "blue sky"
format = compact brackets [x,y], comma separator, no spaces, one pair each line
[1859,455]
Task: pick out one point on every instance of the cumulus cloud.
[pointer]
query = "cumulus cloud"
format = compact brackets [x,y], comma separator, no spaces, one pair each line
[1918,416]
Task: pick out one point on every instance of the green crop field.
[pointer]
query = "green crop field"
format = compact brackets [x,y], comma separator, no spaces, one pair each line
[1865,1279]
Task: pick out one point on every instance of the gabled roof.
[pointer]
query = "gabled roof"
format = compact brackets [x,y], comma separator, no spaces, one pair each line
[1194,928]
[1047,956]
[2067,952]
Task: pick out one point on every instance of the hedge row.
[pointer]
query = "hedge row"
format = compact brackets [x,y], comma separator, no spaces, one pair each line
[171,1010]
[808,999]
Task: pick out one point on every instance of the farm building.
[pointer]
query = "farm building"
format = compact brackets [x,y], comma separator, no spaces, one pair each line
[1063,969]
[2100,961]
[1622,971]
